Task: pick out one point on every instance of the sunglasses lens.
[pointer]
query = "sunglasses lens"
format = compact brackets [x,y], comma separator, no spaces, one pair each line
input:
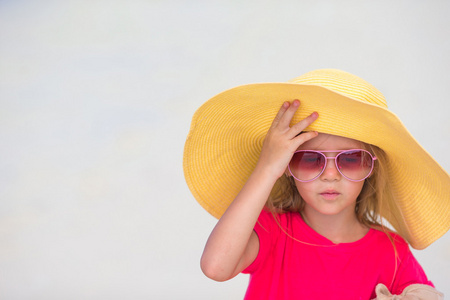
[306,165]
[355,165]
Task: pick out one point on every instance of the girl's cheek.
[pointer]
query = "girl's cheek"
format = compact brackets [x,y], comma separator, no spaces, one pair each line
[305,189]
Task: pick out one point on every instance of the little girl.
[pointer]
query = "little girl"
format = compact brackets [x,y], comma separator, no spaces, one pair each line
[302,186]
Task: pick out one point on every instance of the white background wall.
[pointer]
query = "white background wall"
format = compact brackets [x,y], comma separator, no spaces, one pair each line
[96,99]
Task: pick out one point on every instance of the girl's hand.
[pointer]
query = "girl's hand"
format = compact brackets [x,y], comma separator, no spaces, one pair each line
[282,141]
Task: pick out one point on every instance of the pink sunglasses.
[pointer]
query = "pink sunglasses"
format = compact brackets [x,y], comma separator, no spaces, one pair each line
[354,164]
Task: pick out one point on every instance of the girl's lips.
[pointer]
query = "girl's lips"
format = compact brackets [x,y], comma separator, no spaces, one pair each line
[330,195]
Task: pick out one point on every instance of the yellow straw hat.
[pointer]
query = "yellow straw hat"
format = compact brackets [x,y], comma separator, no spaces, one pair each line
[227,133]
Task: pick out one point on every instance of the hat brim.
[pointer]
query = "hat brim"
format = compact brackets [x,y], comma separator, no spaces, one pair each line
[227,133]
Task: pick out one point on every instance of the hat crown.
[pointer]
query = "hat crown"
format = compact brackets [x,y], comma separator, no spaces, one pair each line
[343,83]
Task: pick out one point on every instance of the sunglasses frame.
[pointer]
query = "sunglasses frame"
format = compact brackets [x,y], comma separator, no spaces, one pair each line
[339,152]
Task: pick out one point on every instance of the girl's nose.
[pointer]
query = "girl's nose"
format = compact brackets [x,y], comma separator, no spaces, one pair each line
[330,173]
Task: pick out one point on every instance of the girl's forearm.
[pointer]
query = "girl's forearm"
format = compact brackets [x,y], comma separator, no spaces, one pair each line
[228,243]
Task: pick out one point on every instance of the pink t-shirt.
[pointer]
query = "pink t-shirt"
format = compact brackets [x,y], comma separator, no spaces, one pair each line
[316,268]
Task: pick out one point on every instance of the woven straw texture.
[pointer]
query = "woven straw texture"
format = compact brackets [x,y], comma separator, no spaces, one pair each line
[227,133]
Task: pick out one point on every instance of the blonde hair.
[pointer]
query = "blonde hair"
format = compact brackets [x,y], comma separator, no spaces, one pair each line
[286,198]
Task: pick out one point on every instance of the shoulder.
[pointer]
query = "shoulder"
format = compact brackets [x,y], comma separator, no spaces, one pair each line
[269,217]
[274,224]
[386,233]
[386,238]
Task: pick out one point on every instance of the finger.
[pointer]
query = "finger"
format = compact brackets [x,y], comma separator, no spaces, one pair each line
[280,114]
[287,116]
[300,126]
[304,137]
